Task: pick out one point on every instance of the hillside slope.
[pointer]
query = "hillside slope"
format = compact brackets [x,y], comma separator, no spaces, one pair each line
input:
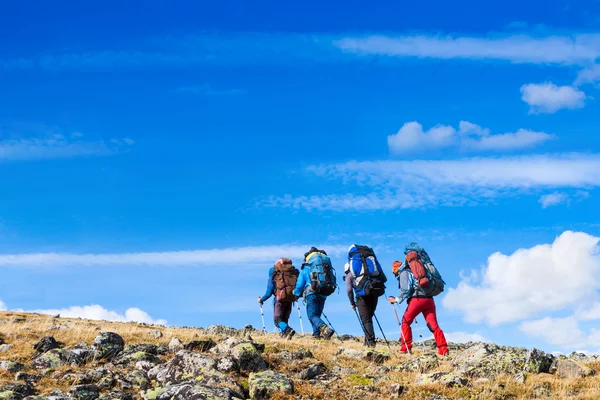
[55,358]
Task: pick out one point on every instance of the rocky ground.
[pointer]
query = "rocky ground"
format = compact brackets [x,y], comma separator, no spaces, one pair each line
[43,357]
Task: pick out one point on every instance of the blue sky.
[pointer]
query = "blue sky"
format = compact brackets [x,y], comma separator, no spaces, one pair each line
[147,147]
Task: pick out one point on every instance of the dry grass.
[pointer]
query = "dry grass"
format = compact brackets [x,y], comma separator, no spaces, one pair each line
[359,385]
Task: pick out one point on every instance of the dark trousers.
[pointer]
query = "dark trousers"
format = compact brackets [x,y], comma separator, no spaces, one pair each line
[366,306]
[281,314]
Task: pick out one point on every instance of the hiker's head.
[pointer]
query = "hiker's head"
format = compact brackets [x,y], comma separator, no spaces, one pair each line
[396,266]
[279,262]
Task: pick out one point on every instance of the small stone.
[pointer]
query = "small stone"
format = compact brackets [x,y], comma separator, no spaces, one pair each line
[45,344]
[5,347]
[444,378]
[543,390]
[11,366]
[200,345]
[520,377]
[396,390]
[263,385]
[30,379]
[175,345]
[144,366]
[312,371]
[15,391]
[84,392]
[423,363]
[570,369]
[302,353]
[155,334]
[227,364]
[248,358]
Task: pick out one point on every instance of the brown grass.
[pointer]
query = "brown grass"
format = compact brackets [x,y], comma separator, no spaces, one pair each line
[360,385]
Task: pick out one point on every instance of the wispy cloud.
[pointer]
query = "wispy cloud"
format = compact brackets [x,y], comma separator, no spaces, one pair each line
[254,48]
[549,98]
[208,90]
[581,49]
[59,146]
[553,199]
[240,255]
[413,138]
[388,185]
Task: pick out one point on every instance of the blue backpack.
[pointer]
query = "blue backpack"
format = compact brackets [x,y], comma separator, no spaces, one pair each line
[437,284]
[322,274]
[367,275]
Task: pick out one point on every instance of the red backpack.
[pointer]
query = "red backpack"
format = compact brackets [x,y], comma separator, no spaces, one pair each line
[417,268]
[285,277]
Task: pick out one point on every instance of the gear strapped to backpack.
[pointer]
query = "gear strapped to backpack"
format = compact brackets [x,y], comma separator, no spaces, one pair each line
[285,277]
[367,275]
[322,274]
[426,274]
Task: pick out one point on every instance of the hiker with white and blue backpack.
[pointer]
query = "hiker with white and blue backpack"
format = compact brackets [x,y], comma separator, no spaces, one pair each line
[316,282]
[365,283]
[281,284]
[419,282]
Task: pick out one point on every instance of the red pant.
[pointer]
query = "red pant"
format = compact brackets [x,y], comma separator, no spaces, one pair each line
[415,307]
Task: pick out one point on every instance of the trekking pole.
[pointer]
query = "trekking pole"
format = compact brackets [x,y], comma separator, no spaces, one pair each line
[360,322]
[300,316]
[329,322]
[421,336]
[402,338]
[383,334]
[262,315]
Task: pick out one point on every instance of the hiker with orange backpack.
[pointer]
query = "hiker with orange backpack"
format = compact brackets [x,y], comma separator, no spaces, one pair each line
[281,283]
[419,281]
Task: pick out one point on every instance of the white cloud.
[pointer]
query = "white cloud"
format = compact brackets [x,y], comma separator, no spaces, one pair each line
[524,284]
[590,314]
[2,306]
[240,255]
[564,332]
[549,98]
[553,199]
[386,185]
[588,75]
[412,138]
[57,146]
[97,312]
[569,50]
[464,337]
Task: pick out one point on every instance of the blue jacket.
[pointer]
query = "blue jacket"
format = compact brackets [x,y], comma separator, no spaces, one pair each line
[303,284]
[408,285]
[270,287]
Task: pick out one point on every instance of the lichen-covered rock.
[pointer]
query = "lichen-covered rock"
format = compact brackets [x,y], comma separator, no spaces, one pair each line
[520,377]
[84,392]
[444,378]
[263,385]
[45,344]
[396,390]
[101,377]
[175,345]
[543,390]
[185,365]
[12,366]
[570,369]
[227,364]
[144,366]
[155,334]
[127,358]
[376,356]
[15,391]
[189,391]
[578,357]
[312,371]
[108,345]
[227,346]
[538,362]
[116,395]
[200,345]
[84,351]
[56,358]
[302,353]
[138,380]
[486,360]
[220,330]
[248,358]
[422,363]
[30,379]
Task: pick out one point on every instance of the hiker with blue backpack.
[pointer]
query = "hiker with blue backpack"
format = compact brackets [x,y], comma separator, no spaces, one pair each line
[315,283]
[365,283]
[281,284]
[419,282]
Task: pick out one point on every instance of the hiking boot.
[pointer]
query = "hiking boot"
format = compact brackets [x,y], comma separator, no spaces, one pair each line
[326,332]
[288,333]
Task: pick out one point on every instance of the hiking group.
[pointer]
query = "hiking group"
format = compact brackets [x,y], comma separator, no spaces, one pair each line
[419,282]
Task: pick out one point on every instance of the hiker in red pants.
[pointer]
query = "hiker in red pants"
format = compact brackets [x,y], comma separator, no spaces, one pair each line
[418,303]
